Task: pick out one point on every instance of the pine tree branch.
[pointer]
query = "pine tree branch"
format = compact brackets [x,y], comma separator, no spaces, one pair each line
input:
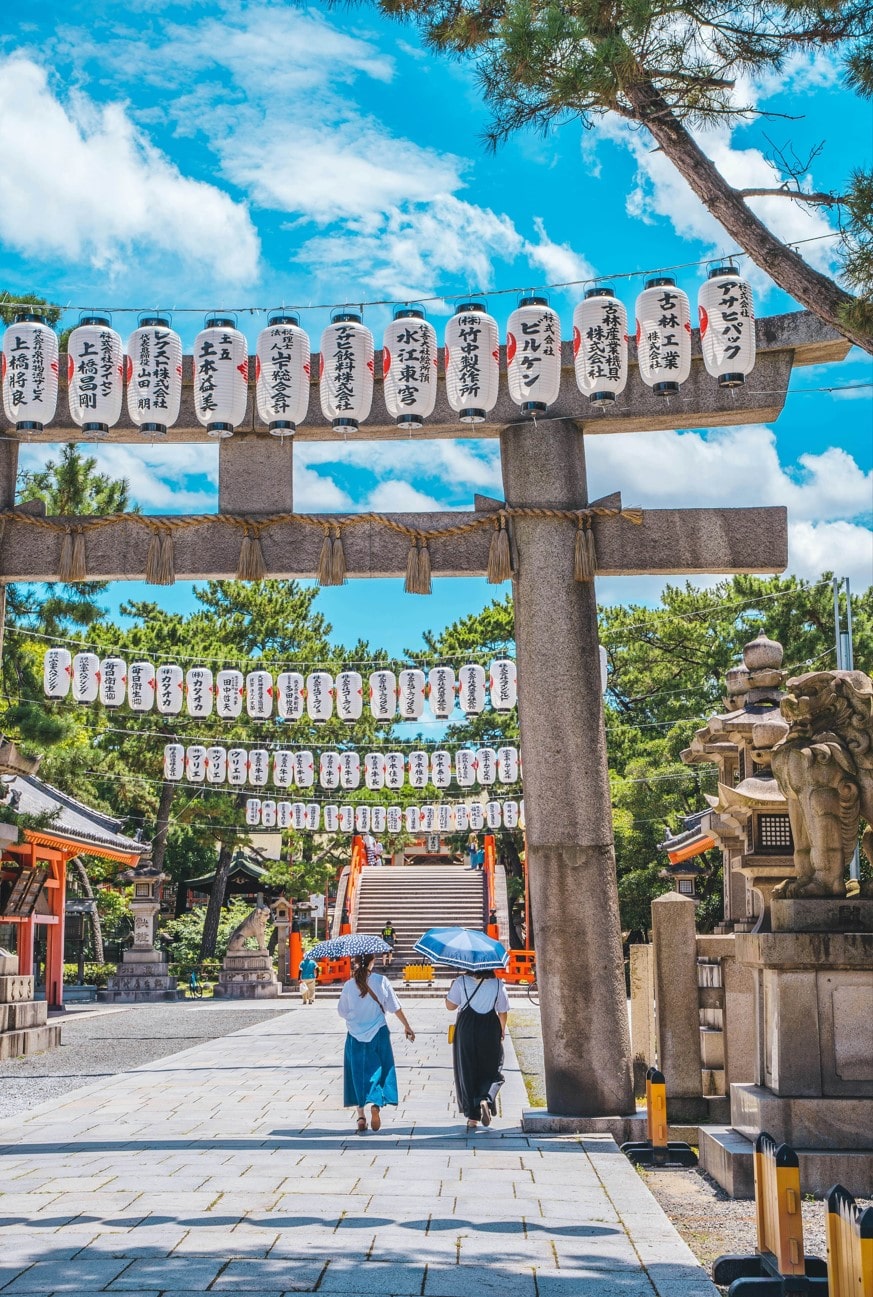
[824,200]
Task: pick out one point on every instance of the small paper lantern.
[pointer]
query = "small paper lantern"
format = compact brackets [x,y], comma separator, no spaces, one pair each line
[445,820]
[331,819]
[395,770]
[283,768]
[350,770]
[195,763]
[349,696]
[57,671]
[199,691]
[727,326]
[600,346]
[113,682]
[346,371]
[268,813]
[347,819]
[237,766]
[282,374]
[216,765]
[409,368]
[169,689]
[141,685]
[411,694]
[304,769]
[154,375]
[329,770]
[462,819]
[374,770]
[298,817]
[29,365]
[362,819]
[383,695]
[86,677]
[412,818]
[394,819]
[507,765]
[253,810]
[503,684]
[290,696]
[378,819]
[229,691]
[221,373]
[533,355]
[465,767]
[259,767]
[477,817]
[471,689]
[441,769]
[493,815]
[521,820]
[174,762]
[427,819]
[319,696]
[419,769]
[95,375]
[259,695]
[472,361]
[441,692]
[663,336]
[283,815]
[313,816]
[486,766]
[510,815]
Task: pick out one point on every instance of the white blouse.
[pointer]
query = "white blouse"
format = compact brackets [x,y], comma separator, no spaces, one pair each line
[362,1014]
[485,996]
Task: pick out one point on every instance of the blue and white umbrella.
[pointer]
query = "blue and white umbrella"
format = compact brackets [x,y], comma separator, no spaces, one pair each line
[465,948]
[348,946]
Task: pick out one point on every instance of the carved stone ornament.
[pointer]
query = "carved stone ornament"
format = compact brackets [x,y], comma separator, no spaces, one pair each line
[253,925]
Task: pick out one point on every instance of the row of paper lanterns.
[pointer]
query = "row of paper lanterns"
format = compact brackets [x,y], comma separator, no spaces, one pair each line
[198,764]
[97,368]
[440,818]
[290,695]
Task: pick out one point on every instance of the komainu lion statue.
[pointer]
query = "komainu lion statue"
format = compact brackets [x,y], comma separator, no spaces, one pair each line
[824,766]
[253,925]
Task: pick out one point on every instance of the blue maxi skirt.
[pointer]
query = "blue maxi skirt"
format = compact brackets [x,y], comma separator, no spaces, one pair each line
[369,1075]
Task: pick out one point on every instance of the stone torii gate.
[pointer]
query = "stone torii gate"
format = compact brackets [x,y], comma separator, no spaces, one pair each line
[567,800]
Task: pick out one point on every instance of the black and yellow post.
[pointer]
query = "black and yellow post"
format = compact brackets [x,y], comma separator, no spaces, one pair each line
[658,1150]
[850,1245]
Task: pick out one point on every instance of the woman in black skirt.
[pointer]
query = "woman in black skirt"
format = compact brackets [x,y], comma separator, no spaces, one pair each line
[478,1044]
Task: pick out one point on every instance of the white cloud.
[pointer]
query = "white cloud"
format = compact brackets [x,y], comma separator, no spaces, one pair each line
[401,497]
[561,264]
[841,547]
[163,477]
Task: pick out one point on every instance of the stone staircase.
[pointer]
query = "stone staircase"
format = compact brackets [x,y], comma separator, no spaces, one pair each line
[418,897]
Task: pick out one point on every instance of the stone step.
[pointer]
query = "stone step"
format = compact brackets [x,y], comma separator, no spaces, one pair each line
[14,988]
[29,1040]
[26,1013]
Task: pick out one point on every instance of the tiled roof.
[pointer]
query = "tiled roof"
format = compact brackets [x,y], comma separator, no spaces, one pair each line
[68,817]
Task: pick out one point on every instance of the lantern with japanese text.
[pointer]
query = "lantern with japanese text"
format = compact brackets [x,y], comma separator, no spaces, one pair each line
[282,374]
[411,817]
[86,678]
[29,364]
[441,692]
[486,766]
[533,355]
[331,819]
[154,375]
[472,361]
[411,694]
[503,684]
[471,689]
[419,769]
[663,336]
[409,368]
[199,691]
[304,769]
[383,695]
[445,820]
[283,768]
[493,815]
[141,686]
[329,770]
[395,770]
[237,766]
[230,687]
[427,818]
[727,326]
[95,375]
[374,770]
[462,819]
[510,815]
[313,816]
[298,816]
[169,689]
[319,696]
[283,815]
[290,696]
[259,695]
[346,371]
[477,817]
[349,696]
[221,372]
[253,810]
[394,819]
[440,768]
[378,819]
[347,819]
[57,671]
[259,767]
[600,346]
[174,762]
[216,765]
[113,682]
[350,770]
[465,767]
[268,813]
[507,765]
[195,763]
[362,819]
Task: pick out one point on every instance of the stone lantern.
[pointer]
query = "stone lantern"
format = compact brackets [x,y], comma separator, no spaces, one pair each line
[143,974]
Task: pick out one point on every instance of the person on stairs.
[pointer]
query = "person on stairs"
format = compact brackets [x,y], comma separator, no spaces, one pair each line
[369,1074]
[389,936]
[477,1045]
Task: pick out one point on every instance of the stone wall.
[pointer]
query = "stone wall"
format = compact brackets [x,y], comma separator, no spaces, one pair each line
[24,1025]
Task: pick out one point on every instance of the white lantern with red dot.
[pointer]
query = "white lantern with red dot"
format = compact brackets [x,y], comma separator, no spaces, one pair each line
[493,815]
[113,682]
[362,819]
[477,817]
[313,816]
[268,813]
[394,819]
[283,815]
[141,685]
[298,817]
[412,819]
[465,767]
[507,765]
[259,695]
[282,371]
[253,810]
[440,768]
[378,819]
[409,368]
[486,766]
[419,769]
[154,375]
[346,371]
[383,695]
[727,326]
[195,763]
[259,767]
[319,696]
[600,346]
[510,815]
[427,819]
[349,696]
[441,692]
[229,692]
[533,355]
[329,770]
[347,819]
[29,364]
[472,362]
[304,769]
[221,373]
[411,694]
[462,819]
[290,696]
[471,689]
[57,672]
[283,768]
[374,770]
[216,765]
[169,689]
[86,678]
[237,766]
[331,819]
[174,762]
[350,770]
[503,684]
[395,770]
[663,336]
[445,820]
[95,375]
[199,691]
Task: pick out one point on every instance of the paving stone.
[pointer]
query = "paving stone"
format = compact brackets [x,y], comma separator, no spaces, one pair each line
[281,1274]
[397,1279]
[67,1276]
[480,1281]
[166,1273]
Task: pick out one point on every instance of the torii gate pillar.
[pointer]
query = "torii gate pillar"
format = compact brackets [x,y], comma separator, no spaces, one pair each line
[568,812]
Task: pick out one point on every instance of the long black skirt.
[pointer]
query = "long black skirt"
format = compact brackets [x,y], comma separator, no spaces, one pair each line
[477,1054]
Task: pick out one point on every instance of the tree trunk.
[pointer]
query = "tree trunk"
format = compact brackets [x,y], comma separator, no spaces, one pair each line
[811,289]
[216,898]
[162,823]
[96,929]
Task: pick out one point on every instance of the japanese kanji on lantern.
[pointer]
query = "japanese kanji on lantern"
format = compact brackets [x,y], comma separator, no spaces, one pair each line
[346,819]
[29,364]
[374,770]
[510,815]
[727,326]
[195,763]
[409,368]
[95,375]
[419,769]
[216,765]
[378,819]
[298,816]
[411,818]
[441,768]
[86,677]
[349,696]
[283,768]
[462,819]
[304,769]
[329,770]
[237,766]
[283,815]
[394,819]
[350,770]
[533,355]
[503,684]
[259,767]
[441,692]
[229,691]
[472,362]
[383,695]
[319,696]
[154,375]
[362,819]
[477,817]
[395,770]
[493,815]
[486,766]
[313,816]
[331,818]
[253,810]
[268,813]
[174,762]
[169,689]
[663,336]
[600,346]
[282,374]
[346,371]
[141,684]
[259,695]
[113,682]
[507,764]
[465,768]
[57,671]
[471,689]
[199,691]
[411,694]
[221,371]
[290,695]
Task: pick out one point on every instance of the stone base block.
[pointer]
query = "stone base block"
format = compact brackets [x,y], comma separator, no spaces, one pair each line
[248,961]
[803,1123]
[145,955]
[726,1155]
[539,1121]
[712,1082]
[247,975]
[29,1040]
[8,963]
[140,980]
[14,988]
[711,1049]
[822,914]
[27,1013]
[247,990]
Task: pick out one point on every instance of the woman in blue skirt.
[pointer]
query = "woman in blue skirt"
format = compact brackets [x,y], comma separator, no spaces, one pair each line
[369,1076]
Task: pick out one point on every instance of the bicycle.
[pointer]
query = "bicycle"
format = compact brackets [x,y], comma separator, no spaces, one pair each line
[533,992]
[195,987]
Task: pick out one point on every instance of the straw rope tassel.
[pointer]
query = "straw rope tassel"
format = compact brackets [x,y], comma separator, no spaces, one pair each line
[499,554]
[324,571]
[337,558]
[160,566]
[424,585]
[252,566]
[72,564]
[584,553]
[410,585]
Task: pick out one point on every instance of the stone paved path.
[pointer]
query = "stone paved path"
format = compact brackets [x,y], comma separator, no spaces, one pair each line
[232,1167]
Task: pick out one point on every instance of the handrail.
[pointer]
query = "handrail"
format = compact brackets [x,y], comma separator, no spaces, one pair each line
[489,866]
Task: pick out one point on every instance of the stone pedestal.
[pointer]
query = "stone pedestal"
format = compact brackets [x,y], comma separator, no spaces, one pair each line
[142,976]
[24,1025]
[248,975]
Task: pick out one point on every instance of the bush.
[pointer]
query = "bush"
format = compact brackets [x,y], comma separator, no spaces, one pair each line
[95,974]
[183,935]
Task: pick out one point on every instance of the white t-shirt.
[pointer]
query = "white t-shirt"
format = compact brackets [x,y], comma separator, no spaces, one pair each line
[362,1014]
[491,994]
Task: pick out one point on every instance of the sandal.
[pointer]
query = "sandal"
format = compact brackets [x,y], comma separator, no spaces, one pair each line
[362,1125]
[472,1125]
[375,1118]
[485,1112]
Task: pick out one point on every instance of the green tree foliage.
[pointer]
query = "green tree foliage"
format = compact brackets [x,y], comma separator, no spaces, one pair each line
[184,936]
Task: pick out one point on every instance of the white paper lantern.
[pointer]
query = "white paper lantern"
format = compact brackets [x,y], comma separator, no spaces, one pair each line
[445,818]
[462,819]
[283,768]
[604,669]
[282,374]
[411,694]
[350,770]
[419,769]
[268,813]
[141,686]
[154,375]
[441,692]
[221,374]
[394,819]
[486,766]
[412,818]
[600,346]
[259,695]
[347,819]
[378,819]
[503,684]
[727,326]
[331,819]
[195,763]
[298,816]
[510,815]
[329,770]
[283,815]
[383,695]
[253,810]
[507,765]
[346,371]
[472,361]
[441,768]
[113,682]
[477,817]
[95,375]
[259,767]
[471,689]
[427,819]
[30,361]
[533,355]
[290,696]
[199,691]
[319,696]
[86,677]
[663,336]
[229,691]
[216,765]
[57,672]
[304,769]
[465,767]
[409,368]
[313,816]
[493,815]
[521,820]
[362,819]
[174,762]
[349,696]
[237,766]
[374,770]
[169,689]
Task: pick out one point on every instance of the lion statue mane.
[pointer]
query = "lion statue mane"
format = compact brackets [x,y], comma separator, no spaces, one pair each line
[253,925]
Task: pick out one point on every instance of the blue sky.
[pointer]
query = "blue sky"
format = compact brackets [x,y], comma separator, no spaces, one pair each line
[250,155]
